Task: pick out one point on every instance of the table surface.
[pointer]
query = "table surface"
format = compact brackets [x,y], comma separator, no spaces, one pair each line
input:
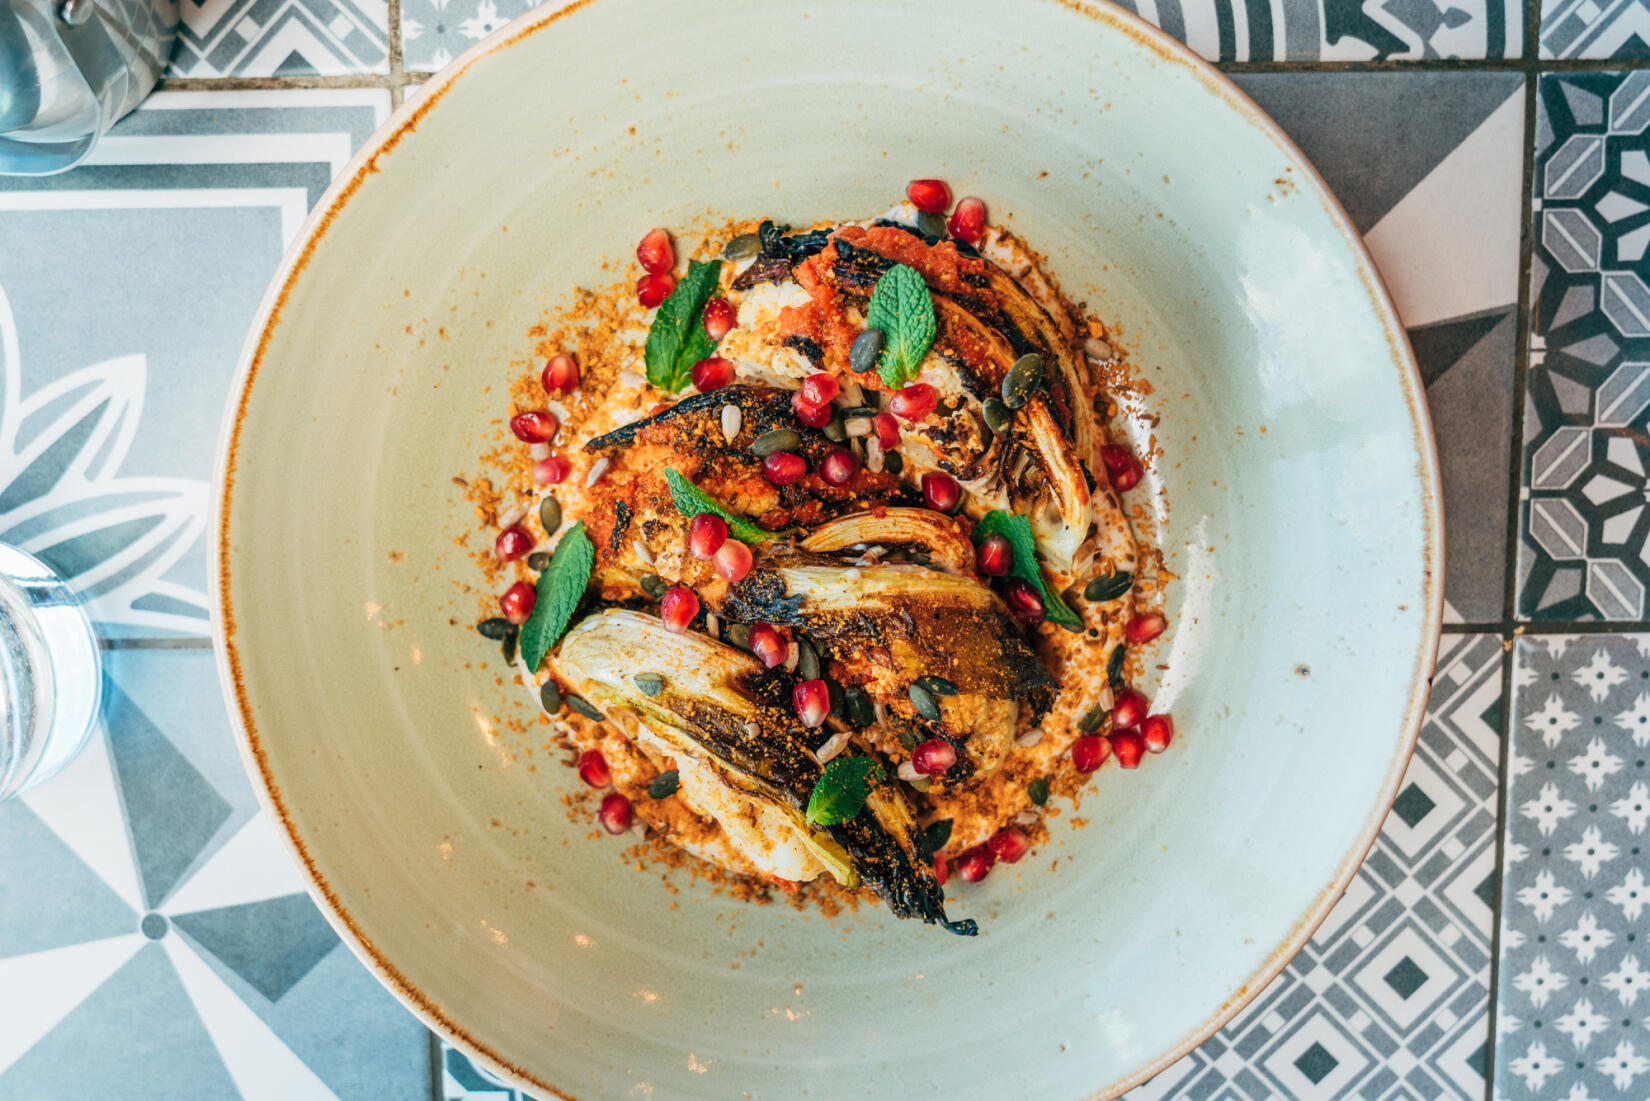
[1496,156]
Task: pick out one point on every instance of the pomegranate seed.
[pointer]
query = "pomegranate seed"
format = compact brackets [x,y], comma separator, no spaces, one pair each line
[654,289]
[930,195]
[914,401]
[814,416]
[678,607]
[838,467]
[933,757]
[712,374]
[1157,731]
[887,430]
[561,374]
[942,869]
[1023,599]
[783,467]
[768,645]
[656,252]
[967,221]
[719,318]
[941,491]
[994,557]
[706,535]
[1122,467]
[1009,845]
[551,471]
[593,769]
[733,561]
[538,426]
[517,602]
[812,701]
[615,813]
[819,389]
[1128,709]
[512,543]
[1144,628]
[1128,746]
[975,864]
[1089,752]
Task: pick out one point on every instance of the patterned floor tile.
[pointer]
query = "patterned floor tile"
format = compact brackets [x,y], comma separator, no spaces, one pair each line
[1439,210]
[1595,29]
[270,38]
[1584,518]
[107,431]
[155,939]
[1574,961]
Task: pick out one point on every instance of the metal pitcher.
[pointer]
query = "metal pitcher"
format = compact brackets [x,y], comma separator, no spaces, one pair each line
[69,69]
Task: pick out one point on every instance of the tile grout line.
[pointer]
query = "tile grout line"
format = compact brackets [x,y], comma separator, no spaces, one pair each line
[396,75]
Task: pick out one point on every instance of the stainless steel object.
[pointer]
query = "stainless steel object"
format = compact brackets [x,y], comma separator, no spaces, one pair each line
[69,69]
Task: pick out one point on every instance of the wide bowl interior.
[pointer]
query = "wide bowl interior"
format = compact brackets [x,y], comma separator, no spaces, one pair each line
[1301,517]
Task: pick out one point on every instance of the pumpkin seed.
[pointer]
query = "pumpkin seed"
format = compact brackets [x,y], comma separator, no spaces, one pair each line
[1114,667]
[651,684]
[860,411]
[1022,380]
[584,707]
[742,247]
[497,628]
[930,224]
[858,706]
[654,585]
[997,415]
[807,660]
[866,350]
[537,561]
[550,515]
[1092,718]
[921,783]
[738,634]
[907,738]
[838,698]
[938,686]
[892,462]
[664,785]
[835,430]
[509,648]
[925,704]
[935,837]
[550,697]
[1108,588]
[780,439]
[1038,790]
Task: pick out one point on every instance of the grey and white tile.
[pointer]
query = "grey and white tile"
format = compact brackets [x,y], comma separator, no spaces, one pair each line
[1575,958]
[1586,464]
[1595,29]
[279,38]
[107,430]
[1440,212]
[155,937]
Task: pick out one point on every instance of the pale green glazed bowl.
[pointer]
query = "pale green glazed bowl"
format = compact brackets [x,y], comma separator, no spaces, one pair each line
[1303,516]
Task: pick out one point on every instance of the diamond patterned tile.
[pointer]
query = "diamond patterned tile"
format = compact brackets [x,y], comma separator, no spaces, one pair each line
[1595,29]
[281,38]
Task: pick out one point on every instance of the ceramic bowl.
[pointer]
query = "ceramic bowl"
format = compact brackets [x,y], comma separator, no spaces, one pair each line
[1301,515]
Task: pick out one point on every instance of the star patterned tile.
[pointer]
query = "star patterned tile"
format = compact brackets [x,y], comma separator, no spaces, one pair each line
[1575,910]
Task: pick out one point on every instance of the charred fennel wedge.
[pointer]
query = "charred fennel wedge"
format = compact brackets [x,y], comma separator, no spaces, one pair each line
[722,709]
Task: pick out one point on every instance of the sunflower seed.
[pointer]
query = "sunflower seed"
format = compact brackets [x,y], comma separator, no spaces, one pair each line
[1096,348]
[780,439]
[742,247]
[632,379]
[1030,738]
[512,516]
[876,460]
[664,785]
[908,772]
[792,656]
[497,628]
[538,560]
[732,420]
[858,426]
[1108,588]
[597,470]
[654,585]
[866,349]
[834,430]
[642,551]
[550,515]
[651,684]
[850,575]
[584,707]
[1038,790]
[1022,380]
[997,415]
[893,462]
[807,660]
[925,704]
[712,625]
[930,224]
[834,745]
[550,697]
[849,397]
[1026,818]
[539,451]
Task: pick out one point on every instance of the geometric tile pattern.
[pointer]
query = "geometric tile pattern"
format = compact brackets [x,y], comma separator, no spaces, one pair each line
[1595,29]
[1389,999]
[270,38]
[1575,908]
[1585,508]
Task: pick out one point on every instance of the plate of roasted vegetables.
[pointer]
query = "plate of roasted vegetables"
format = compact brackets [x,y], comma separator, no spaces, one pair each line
[770,570]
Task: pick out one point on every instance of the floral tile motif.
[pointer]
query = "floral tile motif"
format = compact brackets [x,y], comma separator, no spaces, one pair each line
[155,937]
[433,32]
[282,38]
[1595,29]
[1575,959]
[1584,519]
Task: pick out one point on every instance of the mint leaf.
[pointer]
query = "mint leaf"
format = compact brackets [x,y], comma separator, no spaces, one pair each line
[1017,530]
[903,309]
[843,789]
[677,340]
[560,588]
[692,501]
